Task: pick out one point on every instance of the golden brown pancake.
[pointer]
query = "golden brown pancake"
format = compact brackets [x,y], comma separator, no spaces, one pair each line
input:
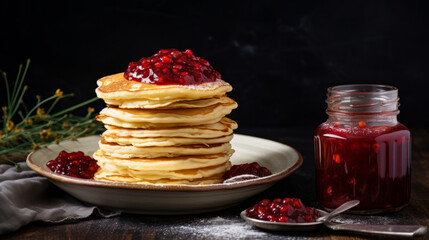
[164,141]
[166,103]
[129,151]
[224,127]
[193,116]
[162,163]
[117,87]
[116,172]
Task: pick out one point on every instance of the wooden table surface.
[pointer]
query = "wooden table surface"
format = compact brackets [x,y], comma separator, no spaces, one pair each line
[226,224]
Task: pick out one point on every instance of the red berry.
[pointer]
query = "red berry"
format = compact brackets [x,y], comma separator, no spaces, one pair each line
[163,68]
[271,218]
[286,210]
[74,164]
[264,202]
[282,219]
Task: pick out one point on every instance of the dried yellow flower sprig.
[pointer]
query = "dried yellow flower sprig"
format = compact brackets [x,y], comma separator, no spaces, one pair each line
[23,129]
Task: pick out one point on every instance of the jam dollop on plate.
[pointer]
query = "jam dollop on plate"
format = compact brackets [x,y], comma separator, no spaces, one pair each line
[171,67]
[73,164]
[248,168]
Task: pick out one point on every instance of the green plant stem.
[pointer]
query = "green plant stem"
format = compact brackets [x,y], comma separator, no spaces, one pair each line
[7,87]
[12,113]
[74,107]
[53,105]
[15,86]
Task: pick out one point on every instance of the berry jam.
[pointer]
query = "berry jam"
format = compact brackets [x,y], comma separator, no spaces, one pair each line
[290,210]
[367,163]
[170,66]
[74,164]
[248,168]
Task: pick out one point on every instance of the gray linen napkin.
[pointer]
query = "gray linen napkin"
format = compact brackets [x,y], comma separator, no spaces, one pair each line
[26,196]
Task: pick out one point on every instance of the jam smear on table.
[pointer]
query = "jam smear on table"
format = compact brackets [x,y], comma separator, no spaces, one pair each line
[74,164]
[367,163]
[290,210]
[248,168]
[171,66]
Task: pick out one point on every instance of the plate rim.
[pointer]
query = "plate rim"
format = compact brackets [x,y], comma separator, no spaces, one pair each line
[164,187]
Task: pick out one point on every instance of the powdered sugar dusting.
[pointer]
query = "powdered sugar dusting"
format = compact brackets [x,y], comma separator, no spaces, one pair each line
[221,228]
[374,220]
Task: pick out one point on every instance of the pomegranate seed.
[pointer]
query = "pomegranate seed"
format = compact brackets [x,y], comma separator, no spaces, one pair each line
[152,69]
[204,62]
[189,53]
[291,211]
[273,205]
[74,164]
[177,66]
[297,203]
[264,202]
[284,209]
[166,59]
[271,218]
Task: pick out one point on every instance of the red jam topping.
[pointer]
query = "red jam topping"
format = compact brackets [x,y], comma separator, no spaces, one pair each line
[290,210]
[170,66]
[248,168]
[367,163]
[74,164]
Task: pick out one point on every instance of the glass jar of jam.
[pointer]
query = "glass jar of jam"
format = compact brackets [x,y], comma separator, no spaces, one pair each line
[362,152]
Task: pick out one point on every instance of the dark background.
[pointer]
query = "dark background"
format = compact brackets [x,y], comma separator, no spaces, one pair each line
[279,56]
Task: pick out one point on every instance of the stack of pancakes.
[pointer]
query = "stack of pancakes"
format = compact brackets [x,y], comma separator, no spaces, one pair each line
[167,134]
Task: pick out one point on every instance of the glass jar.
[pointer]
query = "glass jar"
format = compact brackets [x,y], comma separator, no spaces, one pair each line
[362,152]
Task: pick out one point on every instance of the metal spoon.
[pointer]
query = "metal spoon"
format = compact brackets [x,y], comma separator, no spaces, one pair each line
[278,226]
[324,218]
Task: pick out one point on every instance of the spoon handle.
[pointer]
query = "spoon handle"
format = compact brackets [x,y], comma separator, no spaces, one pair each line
[389,230]
[344,207]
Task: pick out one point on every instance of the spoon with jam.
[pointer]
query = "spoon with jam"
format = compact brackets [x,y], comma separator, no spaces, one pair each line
[290,214]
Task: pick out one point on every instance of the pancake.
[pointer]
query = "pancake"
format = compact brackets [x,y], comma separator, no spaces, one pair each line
[113,177]
[117,87]
[222,128]
[166,103]
[164,141]
[195,116]
[116,172]
[161,164]
[129,151]
[146,125]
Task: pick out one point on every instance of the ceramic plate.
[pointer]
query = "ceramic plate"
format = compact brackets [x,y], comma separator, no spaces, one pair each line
[280,159]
